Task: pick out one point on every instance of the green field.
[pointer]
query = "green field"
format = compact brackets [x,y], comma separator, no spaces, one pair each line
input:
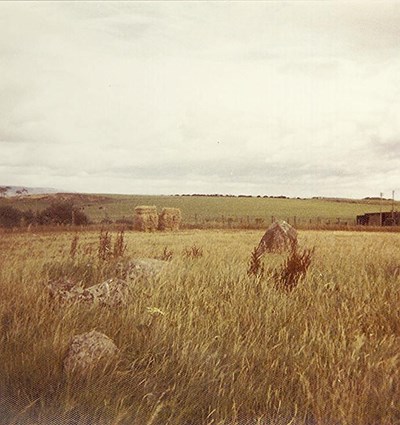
[208,210]
[229,349]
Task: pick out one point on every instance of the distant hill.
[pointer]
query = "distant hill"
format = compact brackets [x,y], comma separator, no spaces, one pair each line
[8,191]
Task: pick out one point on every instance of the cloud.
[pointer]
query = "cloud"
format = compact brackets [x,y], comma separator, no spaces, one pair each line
[210,96]
[389,149]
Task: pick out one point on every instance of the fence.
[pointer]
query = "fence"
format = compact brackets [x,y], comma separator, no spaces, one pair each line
[222,222]
[250,222]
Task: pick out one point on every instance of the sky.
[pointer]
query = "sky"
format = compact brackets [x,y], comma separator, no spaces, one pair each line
[264,98]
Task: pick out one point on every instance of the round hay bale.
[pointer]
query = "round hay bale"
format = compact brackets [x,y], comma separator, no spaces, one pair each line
[87,351]
[170,219]
[146,218]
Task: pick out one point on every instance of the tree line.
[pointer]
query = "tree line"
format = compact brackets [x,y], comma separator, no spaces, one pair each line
[54,214]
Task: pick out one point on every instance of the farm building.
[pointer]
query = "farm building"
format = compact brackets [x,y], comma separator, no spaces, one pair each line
[391,218]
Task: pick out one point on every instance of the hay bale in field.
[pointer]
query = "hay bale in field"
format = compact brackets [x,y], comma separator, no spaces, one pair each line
[146,218]
[279,237]
[169,219]
[87,351]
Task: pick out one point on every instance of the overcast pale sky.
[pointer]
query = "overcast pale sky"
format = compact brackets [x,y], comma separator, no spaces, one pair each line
[293,98]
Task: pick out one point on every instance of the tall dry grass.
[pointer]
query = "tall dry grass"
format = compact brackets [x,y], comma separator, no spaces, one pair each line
[205,343]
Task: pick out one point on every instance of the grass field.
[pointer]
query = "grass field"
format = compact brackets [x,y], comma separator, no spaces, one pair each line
[229,348]
[206,211]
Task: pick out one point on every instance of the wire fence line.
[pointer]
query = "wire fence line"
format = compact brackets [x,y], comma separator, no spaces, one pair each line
[227,222]
[217,222]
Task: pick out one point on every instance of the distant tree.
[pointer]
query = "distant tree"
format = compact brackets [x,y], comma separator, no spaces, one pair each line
[62,213]
[21,192]
[3,190]
[80,218]
[10,217]
[28,217]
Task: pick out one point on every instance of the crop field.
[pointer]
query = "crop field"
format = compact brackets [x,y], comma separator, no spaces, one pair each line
[204,342]
[213,211]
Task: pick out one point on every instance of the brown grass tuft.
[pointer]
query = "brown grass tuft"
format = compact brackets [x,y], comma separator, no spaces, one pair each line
[74,245]
[294,269]
[105,250]
[256,268]
[193,252]
[166,254]
[119,245]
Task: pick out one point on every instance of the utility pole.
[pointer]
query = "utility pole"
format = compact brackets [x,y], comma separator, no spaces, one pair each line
[393,207]
[380,210]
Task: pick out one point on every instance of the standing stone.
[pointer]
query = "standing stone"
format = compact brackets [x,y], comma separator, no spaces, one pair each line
[279,237]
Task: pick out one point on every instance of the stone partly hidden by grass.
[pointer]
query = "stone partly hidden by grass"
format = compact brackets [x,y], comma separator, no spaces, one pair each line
[87,351]
[115,291]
